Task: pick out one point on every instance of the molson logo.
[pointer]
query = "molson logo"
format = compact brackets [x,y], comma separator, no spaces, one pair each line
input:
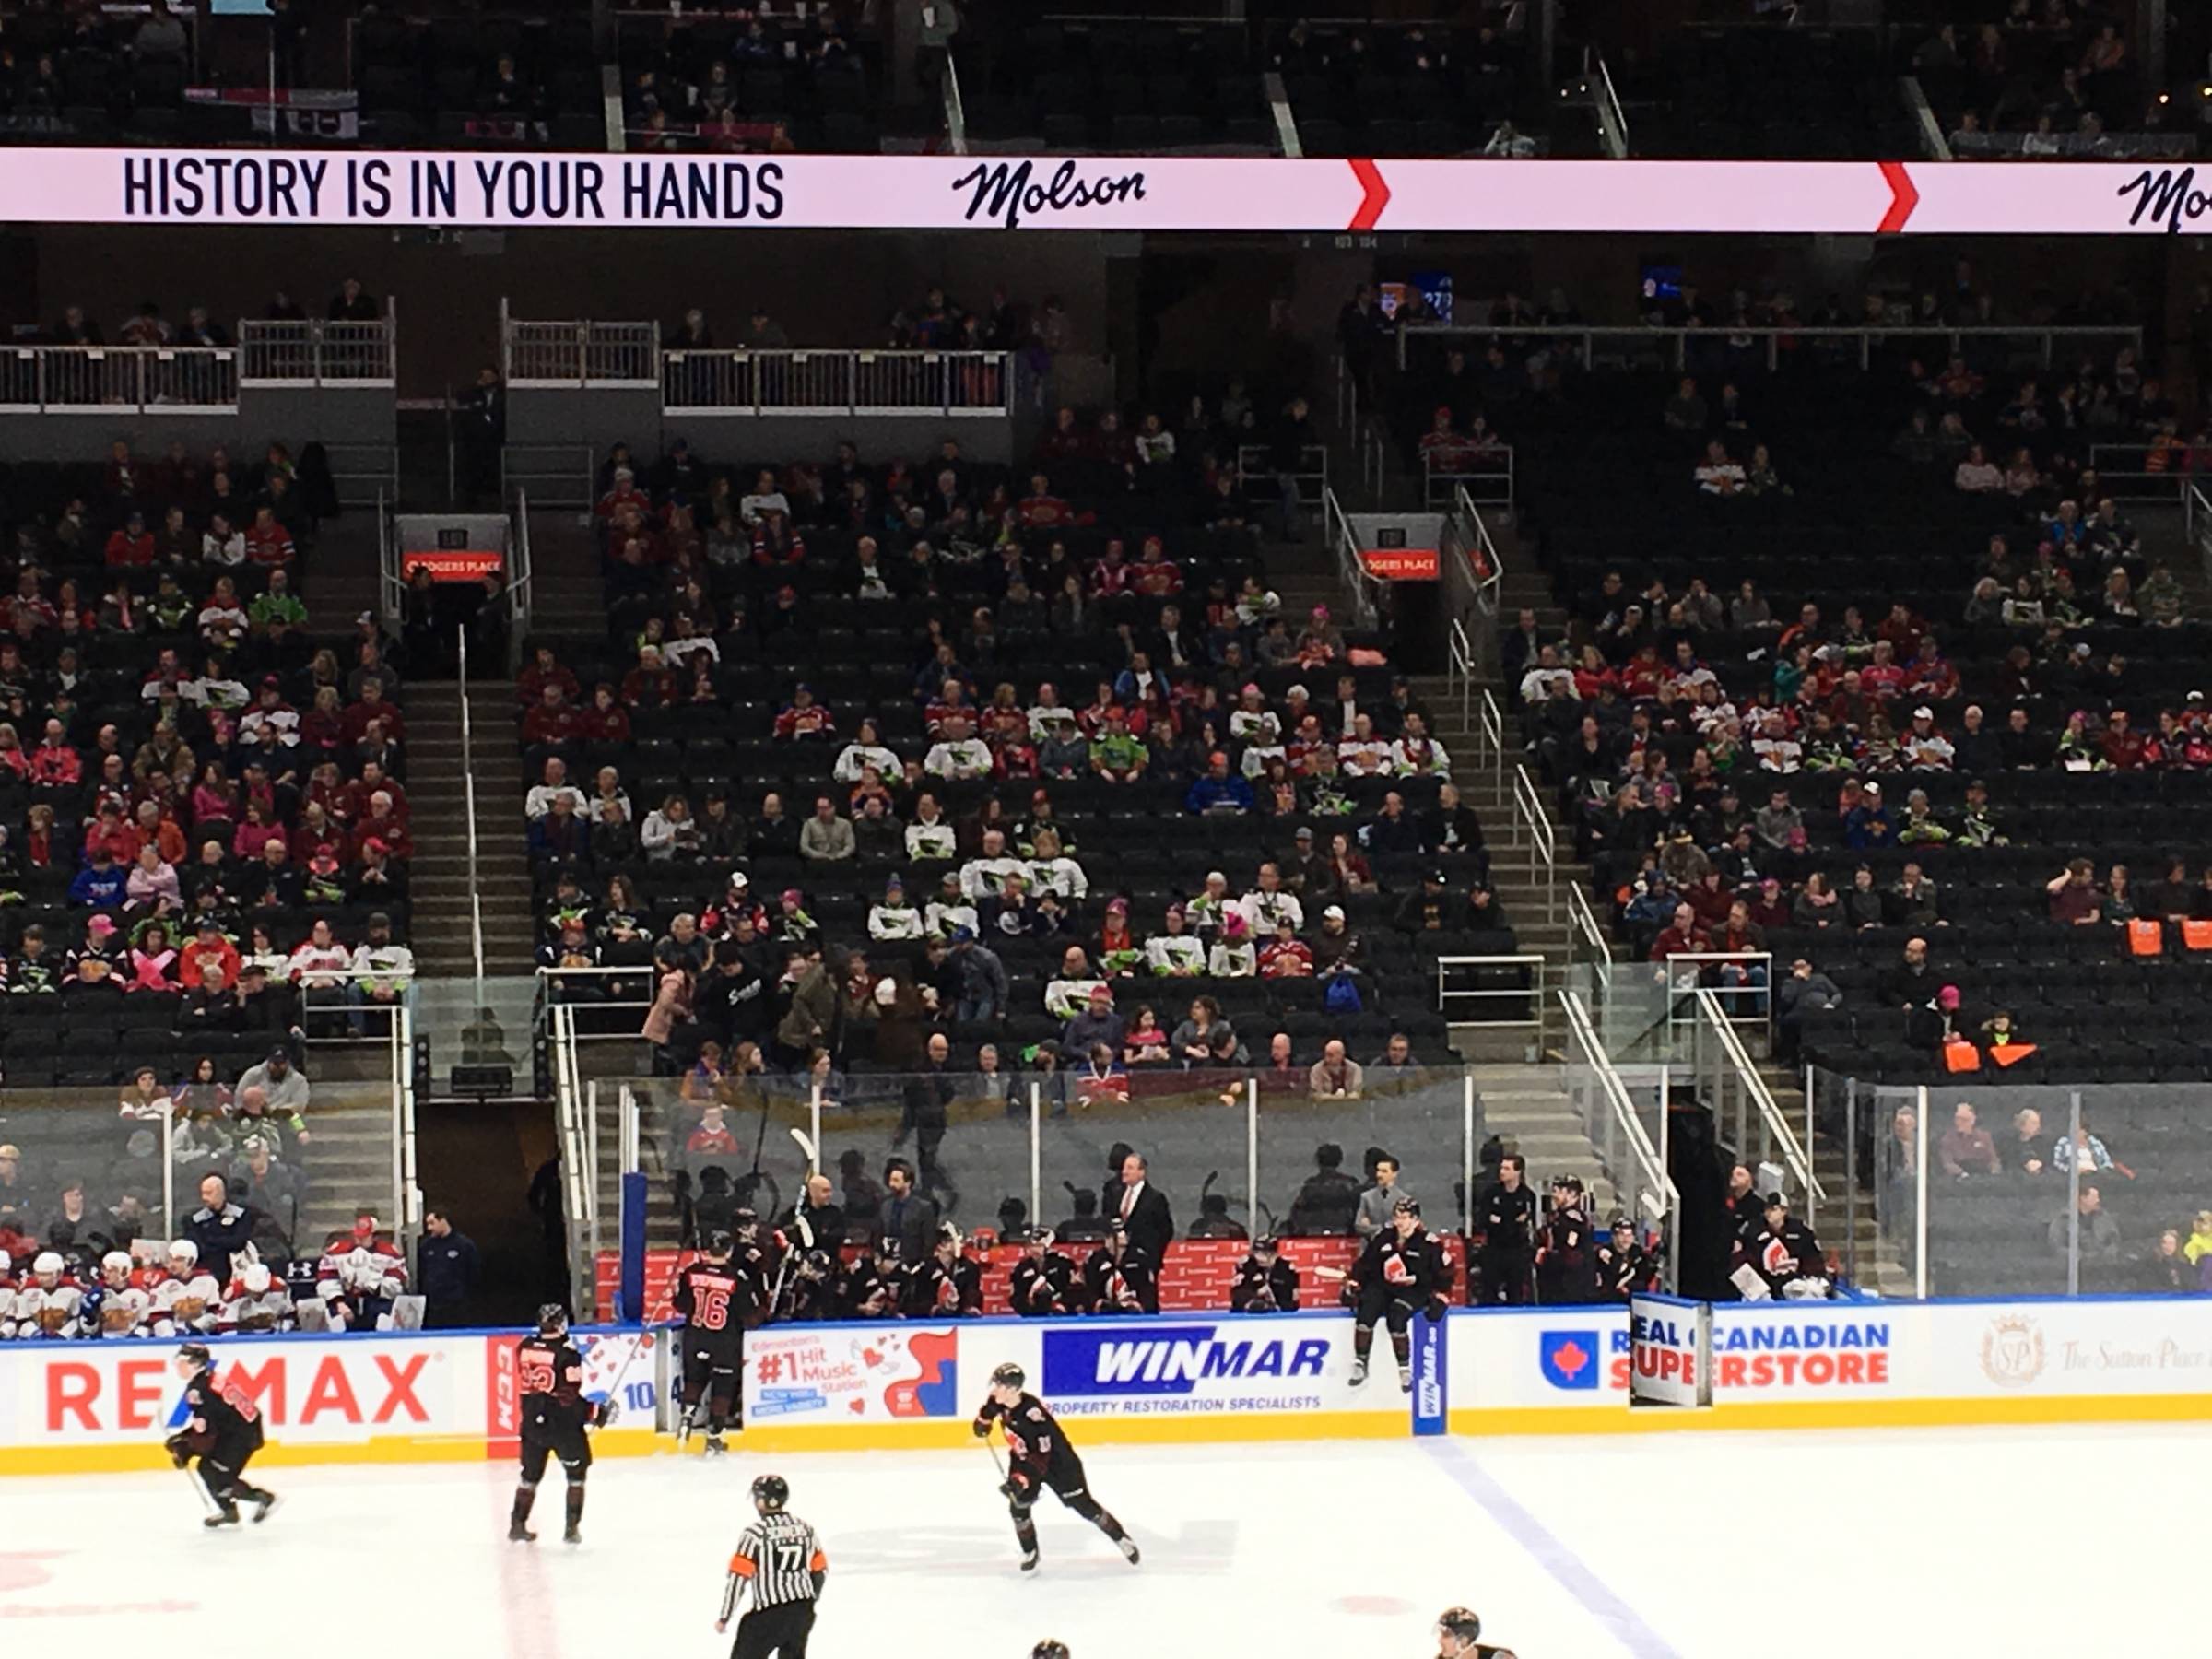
[2167,196]
[1009,192]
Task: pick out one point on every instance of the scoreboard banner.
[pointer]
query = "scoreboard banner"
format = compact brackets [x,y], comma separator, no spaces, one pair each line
[127,186]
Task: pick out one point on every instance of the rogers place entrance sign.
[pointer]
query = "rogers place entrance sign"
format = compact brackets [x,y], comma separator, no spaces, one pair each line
[1123,193]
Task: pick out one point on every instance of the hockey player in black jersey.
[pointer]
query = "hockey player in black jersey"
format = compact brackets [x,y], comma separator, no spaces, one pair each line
[946,1285]
[1459,1636]
[1506,1217]
[754,1257]
[874,1288]
[1565,1273]
[1265,1282]
[809,1292]
[1119,1277]
[1038,1456]
[711,1295]
[1043,1281]
[549,1373]
[223,1430]
[1624,1266]
[1402,1272]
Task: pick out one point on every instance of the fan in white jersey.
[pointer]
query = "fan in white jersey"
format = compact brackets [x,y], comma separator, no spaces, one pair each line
[48,1302]
[255,1302]
[186,1301]
[123,1307]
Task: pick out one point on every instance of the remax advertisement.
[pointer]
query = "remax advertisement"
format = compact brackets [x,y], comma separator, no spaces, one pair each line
[1049,193]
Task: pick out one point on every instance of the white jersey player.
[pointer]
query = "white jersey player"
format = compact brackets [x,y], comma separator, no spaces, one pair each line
[48,1303]
[186,1301]
[124,1308]
[255,1302]
[357,1284]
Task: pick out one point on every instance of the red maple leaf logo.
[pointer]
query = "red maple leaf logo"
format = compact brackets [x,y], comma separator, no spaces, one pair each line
[1568,1359]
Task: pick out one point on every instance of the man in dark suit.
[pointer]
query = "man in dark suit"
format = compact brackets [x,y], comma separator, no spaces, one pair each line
[1145,1210]
[907,1216]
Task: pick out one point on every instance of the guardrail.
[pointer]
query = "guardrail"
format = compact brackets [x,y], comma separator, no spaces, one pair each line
[285,353]
[1459,671]
[837,382]
[1338,529]
[2196,523]
[112,380]
[2126,472]
[579,1175]
[1583,924]
[1601,1099]
[558,475]
[469,796]
[1257,461]
[1490,484]
[1530,818]
[1529,994]
[1672,345]
[1724,1073]
[1684,977]
[540,355]
[363,474]
[1612,120]
[522,586]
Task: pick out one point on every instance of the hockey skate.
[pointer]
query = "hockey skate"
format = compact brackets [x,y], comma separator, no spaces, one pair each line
[1359,1373]
[1028,1560]
[518,1533]
[1404,1379]
[265,1503]
[684,1425]
[573,1533]
[1130,1552]
[716,1446]
[226,1516]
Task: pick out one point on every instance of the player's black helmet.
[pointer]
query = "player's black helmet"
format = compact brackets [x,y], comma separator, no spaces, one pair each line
[1009,1375]
[815,1264]
[552,1317]
[1459,1622]
[197,1353]
[1265,1245]
[1406,1207]
[746,1223]
[719,1242]
[771,1492]
[1049,1649]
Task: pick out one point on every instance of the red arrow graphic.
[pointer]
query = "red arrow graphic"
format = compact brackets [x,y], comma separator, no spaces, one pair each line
[1375,194]
[1903,197]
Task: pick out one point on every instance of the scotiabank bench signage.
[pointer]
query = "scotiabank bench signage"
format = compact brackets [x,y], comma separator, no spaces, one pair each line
[1014,192]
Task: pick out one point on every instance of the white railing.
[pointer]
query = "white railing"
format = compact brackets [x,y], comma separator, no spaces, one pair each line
[468,795]
[1583,922]
[279,353]
[1726,1076]
[955,112]
[837,382]
[1748,1002]
[550,980]
[1487,482]
[1649,342]
[1459,667]
[1610,1119]
[521,587]
[2124,472]
[1473,575]
[1612,120]
[1338,530]
[1532,823]
[409,1193]
[2196,520]
[390,585]
[115,380]
[579,1180]
[1527,996]
[582,353]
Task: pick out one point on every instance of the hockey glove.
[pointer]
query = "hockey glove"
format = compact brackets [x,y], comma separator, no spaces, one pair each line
[602,1413]
[1437,1309]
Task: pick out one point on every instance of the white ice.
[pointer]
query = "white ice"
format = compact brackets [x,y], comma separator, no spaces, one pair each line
[2046,1541]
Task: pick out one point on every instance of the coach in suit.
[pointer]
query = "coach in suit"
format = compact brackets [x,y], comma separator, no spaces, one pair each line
[1144,1210]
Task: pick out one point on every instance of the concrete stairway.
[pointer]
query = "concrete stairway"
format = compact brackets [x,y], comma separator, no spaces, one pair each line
[441,884]
[349,1161]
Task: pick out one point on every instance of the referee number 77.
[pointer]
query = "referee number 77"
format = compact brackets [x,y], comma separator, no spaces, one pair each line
[791,1557]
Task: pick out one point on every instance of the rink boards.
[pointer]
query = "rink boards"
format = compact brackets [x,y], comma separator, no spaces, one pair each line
[451,1395]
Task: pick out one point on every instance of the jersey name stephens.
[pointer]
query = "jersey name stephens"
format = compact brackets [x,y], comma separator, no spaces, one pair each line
[1173,1360]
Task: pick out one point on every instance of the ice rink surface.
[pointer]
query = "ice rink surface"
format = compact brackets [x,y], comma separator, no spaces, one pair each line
[1804,1544]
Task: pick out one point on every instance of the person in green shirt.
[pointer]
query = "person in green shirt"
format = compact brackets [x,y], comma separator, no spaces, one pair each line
[1116,755]
[277,602]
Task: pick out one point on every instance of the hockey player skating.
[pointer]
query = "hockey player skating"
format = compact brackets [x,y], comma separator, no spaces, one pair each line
[549,1373]
[1049,1649]
[710,1294]
[222,1429]
[1458,1634]
[1401,1272]
[1038,1455]
[781,1562]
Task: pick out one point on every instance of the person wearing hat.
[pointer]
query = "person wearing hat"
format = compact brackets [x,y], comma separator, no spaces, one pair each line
[1096,1022]
[1869,823]
[894,918]
[1427,909]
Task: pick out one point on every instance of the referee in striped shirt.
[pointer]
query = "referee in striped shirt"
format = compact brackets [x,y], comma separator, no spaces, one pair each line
[783,1562]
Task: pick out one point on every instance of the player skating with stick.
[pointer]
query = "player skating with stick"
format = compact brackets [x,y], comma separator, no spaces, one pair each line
[223,1430]
[1039,1456]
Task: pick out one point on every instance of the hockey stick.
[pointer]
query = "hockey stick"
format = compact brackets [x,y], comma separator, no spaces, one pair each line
[199,1485]
[806,1231]
[813,1156]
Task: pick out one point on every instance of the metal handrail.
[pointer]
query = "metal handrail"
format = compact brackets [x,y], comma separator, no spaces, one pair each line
[1658,1195]
[1777,1134]
[1338,529]
[113,380]
[2196,521]
[1487,566]
[1492,725]
[1582,919]
[1459,653]
[955,112]
[1612,120]
[1529,994]
[836,381]
[1720,333]
[1440,485]
[522,592]
[1529,813]
[1312,468]
[391,586]
[468,795]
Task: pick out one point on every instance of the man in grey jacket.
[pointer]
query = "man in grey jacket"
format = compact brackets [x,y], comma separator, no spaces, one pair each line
[1777,818]
[281,1083]
[1378,1202]
[825,838]
[1806,991]
[979,977]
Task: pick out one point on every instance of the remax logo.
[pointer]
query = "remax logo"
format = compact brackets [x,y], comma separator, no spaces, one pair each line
[1570,1358]
[1171,1359]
